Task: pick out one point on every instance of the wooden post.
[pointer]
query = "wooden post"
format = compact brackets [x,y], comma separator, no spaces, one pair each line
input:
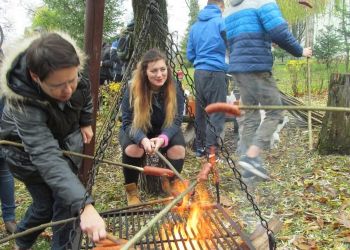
[93,41]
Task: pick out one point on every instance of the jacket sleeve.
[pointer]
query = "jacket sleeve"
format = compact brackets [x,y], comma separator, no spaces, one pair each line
[47,157]
[86,112]
[190,51]
[274,23]
[176,125]
[127,117]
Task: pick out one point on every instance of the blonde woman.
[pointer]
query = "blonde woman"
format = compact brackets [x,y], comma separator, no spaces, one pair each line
[151,118]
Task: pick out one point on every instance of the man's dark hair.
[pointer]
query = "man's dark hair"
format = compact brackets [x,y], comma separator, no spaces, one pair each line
[49,53]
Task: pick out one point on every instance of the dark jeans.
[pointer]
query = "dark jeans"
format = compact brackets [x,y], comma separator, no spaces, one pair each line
[45,207]
[7,191]
[210,87]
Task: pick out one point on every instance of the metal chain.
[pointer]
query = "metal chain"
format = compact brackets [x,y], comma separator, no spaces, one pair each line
[161,25]
[112,119]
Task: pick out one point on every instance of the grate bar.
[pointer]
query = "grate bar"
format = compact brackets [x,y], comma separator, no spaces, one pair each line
[221,232]
[226,234]
[236,227]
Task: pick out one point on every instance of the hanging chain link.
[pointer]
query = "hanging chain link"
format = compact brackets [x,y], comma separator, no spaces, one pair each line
[171,50]
[112,120]
[173,54]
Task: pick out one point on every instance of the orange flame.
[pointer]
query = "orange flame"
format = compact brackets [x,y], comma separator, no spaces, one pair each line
[196,228]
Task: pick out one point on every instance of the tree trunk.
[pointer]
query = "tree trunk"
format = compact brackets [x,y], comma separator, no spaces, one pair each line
[155,39]
[335,131]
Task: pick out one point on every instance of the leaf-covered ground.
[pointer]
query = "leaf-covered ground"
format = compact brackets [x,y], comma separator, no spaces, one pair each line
[310,193]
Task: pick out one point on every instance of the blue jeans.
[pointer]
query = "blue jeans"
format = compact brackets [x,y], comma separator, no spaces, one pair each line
[7,192]
[45,207]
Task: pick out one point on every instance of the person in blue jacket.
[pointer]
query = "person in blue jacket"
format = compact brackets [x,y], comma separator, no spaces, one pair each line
[252,26]
[206,49]
[152,111]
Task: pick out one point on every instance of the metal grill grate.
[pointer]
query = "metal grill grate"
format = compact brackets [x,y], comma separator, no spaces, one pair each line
[221,232]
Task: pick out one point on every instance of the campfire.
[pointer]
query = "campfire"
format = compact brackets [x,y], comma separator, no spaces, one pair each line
[195,229]
[196,224]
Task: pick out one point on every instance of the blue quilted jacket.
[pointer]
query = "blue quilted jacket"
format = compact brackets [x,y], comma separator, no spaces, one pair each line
[251,27]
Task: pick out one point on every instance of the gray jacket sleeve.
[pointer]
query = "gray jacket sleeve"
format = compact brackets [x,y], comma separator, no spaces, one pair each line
[47,157]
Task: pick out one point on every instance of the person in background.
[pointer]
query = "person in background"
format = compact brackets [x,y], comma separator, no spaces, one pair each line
[152,110]
[251,27]
[106,65]
[206,49]
[117,63]
[49,109]
[7,187]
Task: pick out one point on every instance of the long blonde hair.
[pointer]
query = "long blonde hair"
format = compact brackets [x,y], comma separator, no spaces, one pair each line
[141,94]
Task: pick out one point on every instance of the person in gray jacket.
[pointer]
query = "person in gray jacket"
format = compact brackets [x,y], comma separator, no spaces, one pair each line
[49,109]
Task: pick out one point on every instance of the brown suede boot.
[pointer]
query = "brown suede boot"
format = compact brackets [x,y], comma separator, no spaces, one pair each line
[132,194]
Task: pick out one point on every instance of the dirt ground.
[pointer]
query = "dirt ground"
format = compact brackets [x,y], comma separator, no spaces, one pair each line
[310,193]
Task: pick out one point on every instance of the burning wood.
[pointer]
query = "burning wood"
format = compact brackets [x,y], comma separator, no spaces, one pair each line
[193,229]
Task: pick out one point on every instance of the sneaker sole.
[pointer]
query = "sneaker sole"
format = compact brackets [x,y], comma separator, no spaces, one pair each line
[253,170]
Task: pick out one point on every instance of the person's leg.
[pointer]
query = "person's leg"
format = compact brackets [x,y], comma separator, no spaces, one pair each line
[39,212]
[249,153]
[7,194]
[215,90]
[250,120]
[61,233]
[132,155]
[269,95]
[175,151]
[200,119]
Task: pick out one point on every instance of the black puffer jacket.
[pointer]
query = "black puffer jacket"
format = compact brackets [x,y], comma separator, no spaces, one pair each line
[45,127]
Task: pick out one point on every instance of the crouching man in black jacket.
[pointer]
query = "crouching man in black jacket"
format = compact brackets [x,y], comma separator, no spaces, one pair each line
[49,109]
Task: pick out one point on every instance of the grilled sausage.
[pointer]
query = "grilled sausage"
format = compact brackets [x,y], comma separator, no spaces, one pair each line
[223,107]
[203,174]
[155,171]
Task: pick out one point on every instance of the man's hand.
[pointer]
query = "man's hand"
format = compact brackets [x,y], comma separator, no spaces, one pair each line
[87,133]
[307,52]
[92,224]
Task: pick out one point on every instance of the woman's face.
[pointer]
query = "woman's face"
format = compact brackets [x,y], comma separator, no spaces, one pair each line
[157,73]
[61,83]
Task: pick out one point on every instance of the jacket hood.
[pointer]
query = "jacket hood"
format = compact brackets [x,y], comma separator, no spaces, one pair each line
[210,11]
[15,81]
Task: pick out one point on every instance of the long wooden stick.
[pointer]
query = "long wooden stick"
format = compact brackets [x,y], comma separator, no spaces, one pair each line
[34,229]
[16,144]
[161,156]
[158,217]
[308,108]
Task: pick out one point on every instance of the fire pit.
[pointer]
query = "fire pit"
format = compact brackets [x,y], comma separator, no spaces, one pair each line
[179,229]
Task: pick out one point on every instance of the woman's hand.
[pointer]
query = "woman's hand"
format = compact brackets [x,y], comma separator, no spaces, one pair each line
[147,145]
[92,224]
[157,142]
[87,133]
